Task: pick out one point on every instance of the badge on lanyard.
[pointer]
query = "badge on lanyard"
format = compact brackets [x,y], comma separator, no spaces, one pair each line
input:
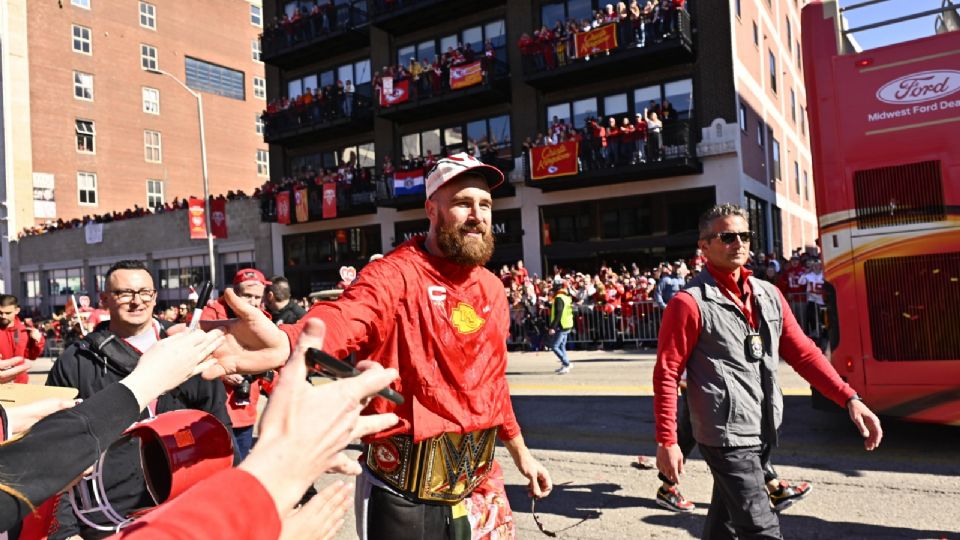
[754,345]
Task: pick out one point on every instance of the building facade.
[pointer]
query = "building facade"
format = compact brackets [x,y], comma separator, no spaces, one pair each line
[730,73]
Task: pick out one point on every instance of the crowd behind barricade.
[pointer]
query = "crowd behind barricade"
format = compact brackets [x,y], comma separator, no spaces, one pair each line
[637,24]
[621,304]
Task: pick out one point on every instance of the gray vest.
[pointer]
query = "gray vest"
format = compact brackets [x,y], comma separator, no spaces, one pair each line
[726,388]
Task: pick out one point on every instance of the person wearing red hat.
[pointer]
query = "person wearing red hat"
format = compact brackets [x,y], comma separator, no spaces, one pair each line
[432,310]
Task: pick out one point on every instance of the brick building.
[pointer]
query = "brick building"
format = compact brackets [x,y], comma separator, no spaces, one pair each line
[89,130]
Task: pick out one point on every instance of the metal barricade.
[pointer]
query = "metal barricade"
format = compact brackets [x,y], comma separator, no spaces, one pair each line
[633,325]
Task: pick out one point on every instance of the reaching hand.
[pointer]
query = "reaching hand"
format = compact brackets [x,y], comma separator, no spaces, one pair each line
[670,462]
[11,367]
[322,517]
[867,423]
[23,417]
[253,343]
[170,362]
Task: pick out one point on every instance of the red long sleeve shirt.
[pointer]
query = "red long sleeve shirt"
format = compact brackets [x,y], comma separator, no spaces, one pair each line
[680,331]
[15,340]
[443,325]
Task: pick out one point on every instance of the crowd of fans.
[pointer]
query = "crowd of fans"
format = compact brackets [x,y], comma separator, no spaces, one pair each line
[314,106]
[308,21]
[431,77]
[639,23]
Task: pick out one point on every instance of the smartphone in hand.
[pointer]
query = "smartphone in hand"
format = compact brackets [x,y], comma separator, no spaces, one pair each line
[318,360]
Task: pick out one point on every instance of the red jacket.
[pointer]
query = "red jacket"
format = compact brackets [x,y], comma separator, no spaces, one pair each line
[444,326]
[15,341]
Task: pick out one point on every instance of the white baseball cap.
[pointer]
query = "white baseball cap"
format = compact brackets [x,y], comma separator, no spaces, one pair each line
[453,166]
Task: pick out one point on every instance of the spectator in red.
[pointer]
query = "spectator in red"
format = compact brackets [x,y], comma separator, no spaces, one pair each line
[627,142]
[545,41]
[19,345]
[613,142]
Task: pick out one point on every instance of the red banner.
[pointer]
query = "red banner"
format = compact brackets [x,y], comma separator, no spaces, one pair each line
[555,160]
[197,223]
[596,41]
[218,218]
[302,211]
[466,75]
[283,207]
[329,200]
[400,94]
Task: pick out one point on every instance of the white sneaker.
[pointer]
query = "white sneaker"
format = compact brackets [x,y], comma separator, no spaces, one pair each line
[563,370]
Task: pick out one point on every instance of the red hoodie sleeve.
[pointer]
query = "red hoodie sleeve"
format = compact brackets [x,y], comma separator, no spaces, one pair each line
[806,359]
[230,505]
[34,348]
[679,333]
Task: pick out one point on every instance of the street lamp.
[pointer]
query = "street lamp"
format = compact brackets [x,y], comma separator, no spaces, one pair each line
[203,161]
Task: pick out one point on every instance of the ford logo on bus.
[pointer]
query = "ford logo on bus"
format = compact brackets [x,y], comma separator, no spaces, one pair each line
[922,86]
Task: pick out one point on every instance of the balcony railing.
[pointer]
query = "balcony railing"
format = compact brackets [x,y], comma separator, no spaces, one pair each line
[400,16]
[671,154]
[355,198]
[556,62]
[338,29]
[331,116]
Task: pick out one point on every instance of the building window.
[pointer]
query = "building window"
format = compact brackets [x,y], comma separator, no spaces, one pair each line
[85,4]
[775,158]
[756,34]
[738,8]
[475,36]
[148,15]
[148,57]
[259,88]
[83,86]
[793,105]
[773,71]
[82,42]
[219,80]
[151,146]
[259,124]
[743,118]
[806,186]
[85,135]
[789,35]
[151,100]
[760,133]
[799,58]
[796,177]
[255,50]
[256,16]
[263,163]
[87,187]
[154,193]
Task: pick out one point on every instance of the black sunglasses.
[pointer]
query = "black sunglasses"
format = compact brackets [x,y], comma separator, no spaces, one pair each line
[729,237]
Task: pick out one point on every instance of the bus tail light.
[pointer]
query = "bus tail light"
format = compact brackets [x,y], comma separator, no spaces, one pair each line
[849,364]
[864,62]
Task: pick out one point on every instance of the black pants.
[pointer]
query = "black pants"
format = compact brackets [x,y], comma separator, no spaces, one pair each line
[740,508]
[391,517]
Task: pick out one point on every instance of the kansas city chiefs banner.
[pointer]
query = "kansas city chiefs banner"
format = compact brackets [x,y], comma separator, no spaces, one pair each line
[396,95]
[218,218]
[283,207]
[197,222]
[596,41]
[553,161]
[329,200]
[466,75]
[300,204]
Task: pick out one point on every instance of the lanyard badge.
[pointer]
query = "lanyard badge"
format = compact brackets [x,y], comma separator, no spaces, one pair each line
[754,346]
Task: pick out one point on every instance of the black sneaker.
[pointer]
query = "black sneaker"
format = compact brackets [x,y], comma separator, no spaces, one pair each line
[786,495]
[671,499]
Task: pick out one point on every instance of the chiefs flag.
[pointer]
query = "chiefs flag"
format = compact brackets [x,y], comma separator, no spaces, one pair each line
[466,75]
[218,218]
[301,205]
[329,200]
[396,95]
[554,160]
[283,207]
[197,222]
[596,41]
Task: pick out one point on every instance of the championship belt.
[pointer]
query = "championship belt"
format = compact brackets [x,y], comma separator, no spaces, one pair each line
[442,469]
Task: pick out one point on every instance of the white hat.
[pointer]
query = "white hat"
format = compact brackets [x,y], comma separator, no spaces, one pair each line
[453,166]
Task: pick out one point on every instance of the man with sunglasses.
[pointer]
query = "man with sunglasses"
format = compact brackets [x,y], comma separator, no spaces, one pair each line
[728,330]
[109,354]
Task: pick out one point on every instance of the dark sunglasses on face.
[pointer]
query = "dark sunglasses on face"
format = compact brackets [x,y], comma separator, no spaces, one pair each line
[730,237]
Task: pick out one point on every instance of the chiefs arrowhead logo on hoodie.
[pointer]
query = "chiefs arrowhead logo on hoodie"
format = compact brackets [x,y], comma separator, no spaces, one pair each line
[465,319]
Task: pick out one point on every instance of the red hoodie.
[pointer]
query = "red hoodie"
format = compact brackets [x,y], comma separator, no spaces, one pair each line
[15,341]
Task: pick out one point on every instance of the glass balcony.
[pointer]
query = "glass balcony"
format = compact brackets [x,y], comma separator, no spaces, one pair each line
[331,117]
[291,43]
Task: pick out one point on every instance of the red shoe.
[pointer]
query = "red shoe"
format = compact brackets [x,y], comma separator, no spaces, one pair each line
[786,495]
[673,500]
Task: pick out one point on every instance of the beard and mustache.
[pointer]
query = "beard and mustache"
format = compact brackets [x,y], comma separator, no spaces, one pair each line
[462,249]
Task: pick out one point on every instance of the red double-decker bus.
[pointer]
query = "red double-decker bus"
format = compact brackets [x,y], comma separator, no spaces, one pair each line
[885,140]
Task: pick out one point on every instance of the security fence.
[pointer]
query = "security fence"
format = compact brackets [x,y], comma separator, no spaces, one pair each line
[634,324]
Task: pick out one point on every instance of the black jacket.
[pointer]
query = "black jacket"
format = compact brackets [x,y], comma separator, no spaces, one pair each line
[288,314]
[58,448]
[92,364]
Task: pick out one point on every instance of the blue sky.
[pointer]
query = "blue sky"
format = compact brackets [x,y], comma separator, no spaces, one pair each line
[890,9]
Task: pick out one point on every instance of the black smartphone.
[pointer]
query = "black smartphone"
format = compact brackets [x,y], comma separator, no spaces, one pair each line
[324,363]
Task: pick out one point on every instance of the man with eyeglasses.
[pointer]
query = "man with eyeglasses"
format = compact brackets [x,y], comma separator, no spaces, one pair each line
[109,354]
[728,330]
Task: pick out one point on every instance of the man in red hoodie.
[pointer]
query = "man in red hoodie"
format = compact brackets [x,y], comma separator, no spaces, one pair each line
[19,345]
[728,330]
[243,391]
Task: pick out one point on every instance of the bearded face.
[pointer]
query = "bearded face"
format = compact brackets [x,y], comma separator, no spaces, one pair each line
[469,244]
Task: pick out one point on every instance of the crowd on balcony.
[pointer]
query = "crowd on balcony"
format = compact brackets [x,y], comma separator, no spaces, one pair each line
[308,21]
[431,77]
[648,137]
[314,106]
[638,24]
